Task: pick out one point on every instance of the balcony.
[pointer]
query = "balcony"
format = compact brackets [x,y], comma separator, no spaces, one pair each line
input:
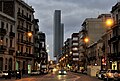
[19,54]
[11,34]
[21,41]
[21,28]
[21,16]
[37,45]
[37,28]
[2,31]
[11,49]
[29,43]
[114,39]
[2,48]
[29,20]
[114,56]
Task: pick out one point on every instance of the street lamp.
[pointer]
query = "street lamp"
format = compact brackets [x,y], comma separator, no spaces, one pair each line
[109,22]
[29,34]
[86,40]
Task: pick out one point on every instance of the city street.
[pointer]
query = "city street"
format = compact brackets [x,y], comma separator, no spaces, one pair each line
[55,77]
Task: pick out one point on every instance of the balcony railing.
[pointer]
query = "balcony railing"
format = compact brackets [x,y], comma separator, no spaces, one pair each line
[11,34]
[2,31]
[21,28]
[12,49]
[114,56]
[2,48]
[21,41]
[24,55]
[28,42]
[114,39]
[20,15]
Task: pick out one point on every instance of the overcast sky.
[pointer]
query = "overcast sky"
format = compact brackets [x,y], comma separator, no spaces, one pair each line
[74,12]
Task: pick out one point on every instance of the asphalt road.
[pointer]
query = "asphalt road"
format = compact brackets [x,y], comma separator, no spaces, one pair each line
[55,77]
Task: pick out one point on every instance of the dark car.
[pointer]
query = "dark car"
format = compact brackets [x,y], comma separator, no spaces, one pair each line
[62,72]
[101,74]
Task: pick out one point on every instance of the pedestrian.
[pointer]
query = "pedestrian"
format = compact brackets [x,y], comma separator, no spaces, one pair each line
[19,74]
[16,73]
[9,74]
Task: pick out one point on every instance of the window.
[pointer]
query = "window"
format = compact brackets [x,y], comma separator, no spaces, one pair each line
[75,54]
[22,12]
[18,48]
[11,27]
[5,60]
[43,44]
[18,36]
[30,17]
[75,43]
[26,49]
[18,9]
[30,28]
[75,48]
[22,49]
[29,50]
[7,27]
[75,59]
[75,38]
[22,37]
[29,39]
[6,42]
[2,24]
[10,42]
[27,14]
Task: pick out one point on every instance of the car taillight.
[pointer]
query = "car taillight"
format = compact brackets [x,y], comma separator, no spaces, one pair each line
[119,74]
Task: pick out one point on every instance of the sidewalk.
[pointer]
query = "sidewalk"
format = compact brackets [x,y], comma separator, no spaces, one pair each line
[14,78]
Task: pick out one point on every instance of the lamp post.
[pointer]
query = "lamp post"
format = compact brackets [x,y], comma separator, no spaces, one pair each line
[109,23]
[86,40]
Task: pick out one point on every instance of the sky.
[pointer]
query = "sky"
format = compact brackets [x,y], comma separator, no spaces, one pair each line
[74,12]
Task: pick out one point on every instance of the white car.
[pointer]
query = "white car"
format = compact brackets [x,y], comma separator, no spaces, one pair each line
[4,74]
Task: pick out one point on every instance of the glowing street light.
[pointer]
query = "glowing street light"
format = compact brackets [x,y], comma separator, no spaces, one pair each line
[29,34]
[109,22]
[86,40]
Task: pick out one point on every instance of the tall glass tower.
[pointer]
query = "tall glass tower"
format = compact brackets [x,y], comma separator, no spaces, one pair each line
[58,34]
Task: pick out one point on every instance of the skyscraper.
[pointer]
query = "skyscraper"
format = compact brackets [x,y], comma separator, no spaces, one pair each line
[58,34]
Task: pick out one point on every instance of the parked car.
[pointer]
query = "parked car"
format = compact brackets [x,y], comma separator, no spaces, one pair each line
[101,74]
[112,75]
[4,74]
[62,72]
[13,74]
[33,72]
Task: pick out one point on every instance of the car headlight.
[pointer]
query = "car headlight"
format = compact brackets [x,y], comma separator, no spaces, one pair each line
[64,72]
[6,73]
[59,71]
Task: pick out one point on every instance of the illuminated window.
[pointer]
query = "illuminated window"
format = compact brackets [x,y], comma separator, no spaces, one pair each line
[75,38]
[75,54]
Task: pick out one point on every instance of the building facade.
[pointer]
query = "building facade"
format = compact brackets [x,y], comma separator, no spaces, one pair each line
[21,29]
[7,42]
[114,40]
[43,55]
